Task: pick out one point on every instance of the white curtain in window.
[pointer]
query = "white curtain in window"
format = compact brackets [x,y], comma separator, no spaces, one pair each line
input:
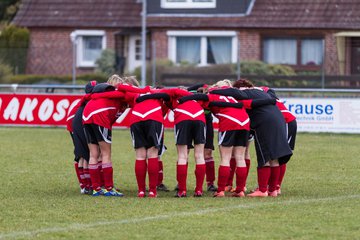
[221,49]
[188,49]
[92,47]
[311,51]
[280,51]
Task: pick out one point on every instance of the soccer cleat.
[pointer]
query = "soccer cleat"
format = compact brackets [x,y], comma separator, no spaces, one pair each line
[239,194]
[219,194]
[97,193]
[211,188]
[141,194]
[232,190]
[176,188]
[258,193]
[278,189]
[82,190]
[112,193]
[198,194]
[162,187]
[180,194]
[273,193]
[152,195]
[228,188]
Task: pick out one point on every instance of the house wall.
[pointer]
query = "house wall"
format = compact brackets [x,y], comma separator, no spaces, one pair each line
[50,50]
[51,53]
[251,45]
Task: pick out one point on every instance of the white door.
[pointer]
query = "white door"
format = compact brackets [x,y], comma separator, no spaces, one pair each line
[134,52]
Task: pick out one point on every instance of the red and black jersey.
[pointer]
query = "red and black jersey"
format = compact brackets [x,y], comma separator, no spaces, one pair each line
[151,109]
[288,116]
[229,118]
[104,108]
[72,112]
[189,110]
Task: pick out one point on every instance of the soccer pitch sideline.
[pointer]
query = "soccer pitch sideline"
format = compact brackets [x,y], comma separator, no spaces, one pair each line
[40,198]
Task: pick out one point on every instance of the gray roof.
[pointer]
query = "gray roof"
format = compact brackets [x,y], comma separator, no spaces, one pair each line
[306,14]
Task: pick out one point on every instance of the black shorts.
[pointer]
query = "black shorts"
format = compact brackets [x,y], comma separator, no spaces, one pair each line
[291,133]
[95,134]
[209,144]
[162,147]
[80,143]
[147,134]
[233,138]
[189,130]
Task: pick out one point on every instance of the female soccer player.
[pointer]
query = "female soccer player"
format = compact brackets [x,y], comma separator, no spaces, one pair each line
[291,127]
[81,150]
[189,120]
[146,131]
[270,137]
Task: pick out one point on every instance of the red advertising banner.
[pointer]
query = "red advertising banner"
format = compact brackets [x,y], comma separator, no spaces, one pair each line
[48,110]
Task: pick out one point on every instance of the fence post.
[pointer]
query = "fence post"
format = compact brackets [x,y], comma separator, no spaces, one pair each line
[323,65]
[238,62]
[154,63]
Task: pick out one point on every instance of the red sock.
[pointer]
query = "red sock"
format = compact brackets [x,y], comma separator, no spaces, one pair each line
[77,171]
[87,178]
[107,170]
[200,170]
[263,178]
[160,173]
[153,171]
[223,177]
[140,172]
[232,172]
[241,174]
[102,181]
[181,175]
[282,174]
[274,178]
[95,176]
[247,161]
[210,171]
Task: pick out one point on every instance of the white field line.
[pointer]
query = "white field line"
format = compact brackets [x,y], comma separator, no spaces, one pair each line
[77,226]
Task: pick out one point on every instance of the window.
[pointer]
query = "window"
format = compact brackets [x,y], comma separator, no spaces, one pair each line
[188,3]
[138,49]
[202,48]
[89,46]
[293,51]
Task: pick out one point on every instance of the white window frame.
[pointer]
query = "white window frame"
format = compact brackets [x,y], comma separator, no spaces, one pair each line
[79,34]
[172,35]
[188,4]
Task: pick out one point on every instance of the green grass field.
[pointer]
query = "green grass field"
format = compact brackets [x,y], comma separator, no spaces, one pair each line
[40,197]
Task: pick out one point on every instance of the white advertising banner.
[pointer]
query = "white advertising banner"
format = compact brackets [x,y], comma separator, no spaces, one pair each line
[339,115]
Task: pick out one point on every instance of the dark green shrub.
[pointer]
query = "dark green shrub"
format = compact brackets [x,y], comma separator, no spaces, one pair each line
[14,42]
[5,72]
[106,63]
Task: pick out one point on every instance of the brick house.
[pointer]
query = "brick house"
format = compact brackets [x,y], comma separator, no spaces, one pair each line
[298,33]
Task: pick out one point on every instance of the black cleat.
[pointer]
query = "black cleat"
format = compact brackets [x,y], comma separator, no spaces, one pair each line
[211,188]
[162,187]
[180,194]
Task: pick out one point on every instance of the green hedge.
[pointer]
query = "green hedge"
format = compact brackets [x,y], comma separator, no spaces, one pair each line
[14,43]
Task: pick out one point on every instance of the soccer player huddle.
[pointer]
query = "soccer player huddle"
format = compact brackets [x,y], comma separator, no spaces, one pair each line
[245,112]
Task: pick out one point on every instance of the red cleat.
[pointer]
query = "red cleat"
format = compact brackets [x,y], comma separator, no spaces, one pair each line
[152,195]
[258,193]
[219,194]
[273,193]
[141,194]
[239,194]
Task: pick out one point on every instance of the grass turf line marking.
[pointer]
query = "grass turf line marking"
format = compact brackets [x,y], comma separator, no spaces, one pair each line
[77,226]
